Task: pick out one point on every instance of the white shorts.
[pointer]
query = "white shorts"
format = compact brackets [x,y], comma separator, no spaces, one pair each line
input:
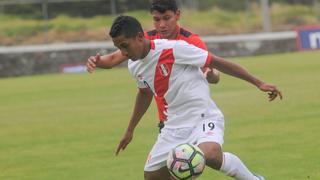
[210,129]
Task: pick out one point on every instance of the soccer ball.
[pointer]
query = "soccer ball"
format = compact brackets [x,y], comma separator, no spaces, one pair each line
[186,162]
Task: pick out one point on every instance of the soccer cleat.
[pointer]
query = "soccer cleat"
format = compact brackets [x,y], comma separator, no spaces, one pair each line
[259,177]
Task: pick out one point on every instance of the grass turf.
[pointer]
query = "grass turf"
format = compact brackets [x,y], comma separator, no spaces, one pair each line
[68,126]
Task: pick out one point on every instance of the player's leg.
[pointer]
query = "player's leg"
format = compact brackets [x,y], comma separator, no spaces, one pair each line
[233,166]
[225,162]
[161,174]
[209,137]
[213,154]
[156,164]
[155,167]
[211,132]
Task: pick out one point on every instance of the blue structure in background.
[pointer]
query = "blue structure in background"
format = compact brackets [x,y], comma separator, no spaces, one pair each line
[308,38]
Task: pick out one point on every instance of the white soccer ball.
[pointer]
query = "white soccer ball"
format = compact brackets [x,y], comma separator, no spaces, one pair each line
[186,162]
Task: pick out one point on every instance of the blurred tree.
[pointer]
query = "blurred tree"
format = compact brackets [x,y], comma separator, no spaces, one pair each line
[138,4]
[81,8]
[307,2]
[26,10]
[316,5]
[228,5]
[103,7]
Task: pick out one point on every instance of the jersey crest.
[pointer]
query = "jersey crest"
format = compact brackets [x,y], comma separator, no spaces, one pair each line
[164,69]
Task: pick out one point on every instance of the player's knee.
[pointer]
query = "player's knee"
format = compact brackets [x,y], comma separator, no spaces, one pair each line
[148,176]
[214,160]
[213,154]
[162,174]
[152,177]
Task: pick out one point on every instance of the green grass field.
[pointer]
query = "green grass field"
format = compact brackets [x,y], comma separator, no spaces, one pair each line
[68,126]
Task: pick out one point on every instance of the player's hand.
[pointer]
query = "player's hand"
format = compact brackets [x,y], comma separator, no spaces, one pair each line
[206,71]
[124,141]
[92,62]
[212,75]
[272,91]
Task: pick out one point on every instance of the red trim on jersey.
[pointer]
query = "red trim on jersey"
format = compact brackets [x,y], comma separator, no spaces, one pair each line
[161,105]
[154,35]
[193,38]
[209,60]
[161,80]
[152,44]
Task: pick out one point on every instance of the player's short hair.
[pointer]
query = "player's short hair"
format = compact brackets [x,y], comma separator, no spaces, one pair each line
[125,25]
[163,5]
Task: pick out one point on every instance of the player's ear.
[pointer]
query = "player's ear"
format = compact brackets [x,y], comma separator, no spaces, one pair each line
[140,35]
[177,14]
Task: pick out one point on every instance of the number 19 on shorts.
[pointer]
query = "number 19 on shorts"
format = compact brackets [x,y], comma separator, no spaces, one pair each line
[207,126]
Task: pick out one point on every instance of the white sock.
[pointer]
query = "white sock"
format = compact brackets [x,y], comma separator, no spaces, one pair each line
[232,166]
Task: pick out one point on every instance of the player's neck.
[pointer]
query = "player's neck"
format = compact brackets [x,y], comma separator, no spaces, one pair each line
[146,48]
[174,34]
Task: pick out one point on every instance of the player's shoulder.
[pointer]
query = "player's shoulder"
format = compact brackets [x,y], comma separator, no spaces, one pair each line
[187,34]
[132,65]
[168,44]
[164,43]
[191,38]
[152,34]
[177,46]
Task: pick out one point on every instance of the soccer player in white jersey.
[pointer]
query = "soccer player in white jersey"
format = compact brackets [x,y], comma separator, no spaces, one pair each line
[165,15]
[171,70]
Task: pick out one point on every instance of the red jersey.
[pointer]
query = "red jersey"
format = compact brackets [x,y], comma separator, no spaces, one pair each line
[185,35]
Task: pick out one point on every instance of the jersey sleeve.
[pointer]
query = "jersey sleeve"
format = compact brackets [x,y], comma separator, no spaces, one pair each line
[139,80]
[188,54]
[141,83]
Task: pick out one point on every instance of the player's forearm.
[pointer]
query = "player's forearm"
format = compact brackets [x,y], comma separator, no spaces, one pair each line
[143,101]
[111,60]
[105,62]
[235,70]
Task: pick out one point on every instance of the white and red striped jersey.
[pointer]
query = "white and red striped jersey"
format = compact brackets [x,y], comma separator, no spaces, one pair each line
[172,72]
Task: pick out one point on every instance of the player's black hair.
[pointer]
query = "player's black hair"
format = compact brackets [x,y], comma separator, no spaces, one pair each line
[125,25]
[163,5]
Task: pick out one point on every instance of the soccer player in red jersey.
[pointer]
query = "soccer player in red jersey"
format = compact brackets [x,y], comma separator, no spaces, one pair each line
[165,15]
[170,70]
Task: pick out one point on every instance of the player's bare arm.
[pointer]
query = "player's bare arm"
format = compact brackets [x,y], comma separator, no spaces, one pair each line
[142,103]
[238,71]
[106,61]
